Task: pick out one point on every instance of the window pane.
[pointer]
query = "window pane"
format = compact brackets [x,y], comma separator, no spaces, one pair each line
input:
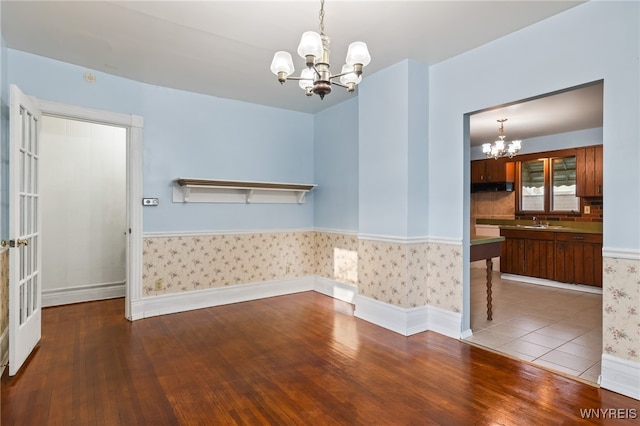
[563,190]
[532,189]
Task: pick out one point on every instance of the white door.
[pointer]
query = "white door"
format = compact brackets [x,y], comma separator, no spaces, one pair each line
[25,291]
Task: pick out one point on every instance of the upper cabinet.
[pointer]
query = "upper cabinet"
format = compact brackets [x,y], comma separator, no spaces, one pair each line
[589,171]
[490,170]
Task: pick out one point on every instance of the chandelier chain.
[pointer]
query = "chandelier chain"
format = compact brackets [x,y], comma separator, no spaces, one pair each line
[321,16]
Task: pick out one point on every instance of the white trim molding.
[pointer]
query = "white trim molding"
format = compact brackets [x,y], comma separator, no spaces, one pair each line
[337,290]
[336,231]
[410,240]
[171,234]
[621,376]
[408,321]
[550,283]
[620,253]
[87,293]
[181,302]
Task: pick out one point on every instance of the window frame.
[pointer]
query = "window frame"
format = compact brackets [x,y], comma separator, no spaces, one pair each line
[547,157]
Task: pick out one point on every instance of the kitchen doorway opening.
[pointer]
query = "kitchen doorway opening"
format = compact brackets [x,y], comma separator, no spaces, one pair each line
[542,321]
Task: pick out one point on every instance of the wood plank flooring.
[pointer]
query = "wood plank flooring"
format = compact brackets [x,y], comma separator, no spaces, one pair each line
[300,359]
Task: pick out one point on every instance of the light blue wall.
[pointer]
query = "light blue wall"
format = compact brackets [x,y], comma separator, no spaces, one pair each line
[418,179]
[566,140]
[335,159]
[593,41]
[191,135]
[383,156]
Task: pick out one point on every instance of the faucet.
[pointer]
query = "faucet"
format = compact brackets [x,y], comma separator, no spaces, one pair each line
[536,221]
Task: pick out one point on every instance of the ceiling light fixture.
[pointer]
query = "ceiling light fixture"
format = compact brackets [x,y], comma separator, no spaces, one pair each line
[316,77]
[498,148]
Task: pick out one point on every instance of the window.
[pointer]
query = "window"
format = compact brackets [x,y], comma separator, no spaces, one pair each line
[548,185]
[563,176]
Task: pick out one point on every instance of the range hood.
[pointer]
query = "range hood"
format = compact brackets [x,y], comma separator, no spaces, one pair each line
[492,187]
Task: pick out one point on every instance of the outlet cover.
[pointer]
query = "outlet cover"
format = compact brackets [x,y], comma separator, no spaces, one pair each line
[587,209]
[150,201]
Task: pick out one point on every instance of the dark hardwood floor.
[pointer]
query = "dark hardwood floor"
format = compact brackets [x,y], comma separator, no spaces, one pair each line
[297,359]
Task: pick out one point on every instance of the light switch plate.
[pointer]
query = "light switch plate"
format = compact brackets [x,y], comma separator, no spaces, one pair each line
[587,209]
[150,201]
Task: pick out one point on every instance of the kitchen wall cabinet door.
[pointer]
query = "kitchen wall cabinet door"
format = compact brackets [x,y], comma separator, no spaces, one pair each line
[491,170]
[589,171]
[578,259]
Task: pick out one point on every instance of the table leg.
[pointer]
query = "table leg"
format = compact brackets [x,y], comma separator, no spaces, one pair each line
[489,274]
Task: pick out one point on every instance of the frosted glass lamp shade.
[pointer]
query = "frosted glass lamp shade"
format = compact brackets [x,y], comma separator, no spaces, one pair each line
[310,44]
[306,75]
[351,77]
[486,148]
[358,53]
[282,62]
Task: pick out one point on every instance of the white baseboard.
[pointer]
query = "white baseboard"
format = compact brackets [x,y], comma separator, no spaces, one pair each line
[65,296]
[4,349]
[199,299]
[551,283]
[408,321]
[445,322]
[337,290]
[621,376]
[405,321]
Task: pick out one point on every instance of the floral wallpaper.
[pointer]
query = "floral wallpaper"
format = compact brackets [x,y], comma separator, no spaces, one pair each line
[4,290]
[621,306]
[185,263]
[405,275]
[336,257]
[382,271]
[435,276]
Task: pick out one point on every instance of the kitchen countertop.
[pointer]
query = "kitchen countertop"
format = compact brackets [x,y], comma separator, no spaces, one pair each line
[484,239]
[554,226]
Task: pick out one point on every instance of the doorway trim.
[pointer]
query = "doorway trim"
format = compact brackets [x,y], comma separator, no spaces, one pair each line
[134,125]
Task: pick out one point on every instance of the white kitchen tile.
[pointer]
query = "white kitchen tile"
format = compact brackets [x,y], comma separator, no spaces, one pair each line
[568,360]
[526,348]
[592,353]
[543,340]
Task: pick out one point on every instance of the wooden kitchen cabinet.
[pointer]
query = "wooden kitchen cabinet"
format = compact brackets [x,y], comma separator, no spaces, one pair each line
[528,253]
[578,259]
[490,170]
[567,257]
[589,171]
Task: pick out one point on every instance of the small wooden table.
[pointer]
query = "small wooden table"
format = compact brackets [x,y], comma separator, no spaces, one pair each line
[483,247]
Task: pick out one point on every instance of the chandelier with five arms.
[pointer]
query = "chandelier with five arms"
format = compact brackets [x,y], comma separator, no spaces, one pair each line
[316,77]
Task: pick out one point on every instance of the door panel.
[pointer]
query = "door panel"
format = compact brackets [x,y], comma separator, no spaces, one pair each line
[24,228]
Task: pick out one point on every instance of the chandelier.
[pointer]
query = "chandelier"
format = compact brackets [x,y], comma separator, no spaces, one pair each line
[498,149]
[316,77]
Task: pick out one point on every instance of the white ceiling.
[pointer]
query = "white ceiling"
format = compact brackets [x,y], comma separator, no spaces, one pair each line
[224,48]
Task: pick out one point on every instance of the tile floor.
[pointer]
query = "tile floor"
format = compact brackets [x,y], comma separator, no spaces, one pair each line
[555,328]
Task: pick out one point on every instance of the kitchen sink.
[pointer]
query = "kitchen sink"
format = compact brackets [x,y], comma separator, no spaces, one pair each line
[541,226]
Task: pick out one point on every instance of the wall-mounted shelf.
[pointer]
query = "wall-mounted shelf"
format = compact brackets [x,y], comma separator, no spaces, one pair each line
[225,191]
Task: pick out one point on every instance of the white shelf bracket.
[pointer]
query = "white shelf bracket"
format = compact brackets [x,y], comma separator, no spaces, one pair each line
[250,193]
[187,193]
[301,196]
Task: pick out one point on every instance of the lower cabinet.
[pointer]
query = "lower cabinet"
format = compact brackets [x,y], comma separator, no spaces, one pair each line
[528,253]
[579,259]
[560,256]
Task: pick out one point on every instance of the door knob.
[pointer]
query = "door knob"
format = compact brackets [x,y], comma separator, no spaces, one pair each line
[13,243]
